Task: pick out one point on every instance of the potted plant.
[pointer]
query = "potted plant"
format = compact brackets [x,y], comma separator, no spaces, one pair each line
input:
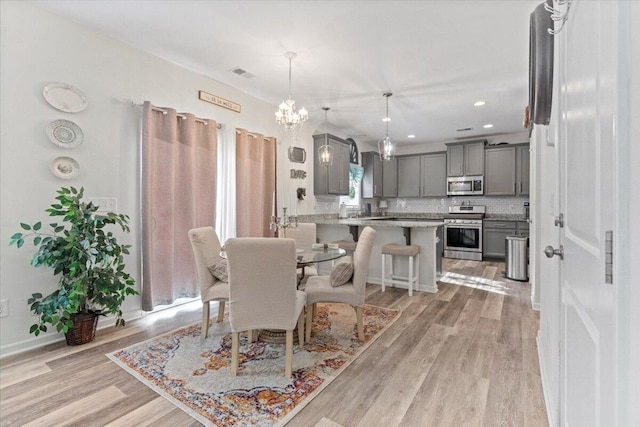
[89,262]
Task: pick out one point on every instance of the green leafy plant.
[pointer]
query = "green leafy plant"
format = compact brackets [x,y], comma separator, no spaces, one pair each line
[87,257]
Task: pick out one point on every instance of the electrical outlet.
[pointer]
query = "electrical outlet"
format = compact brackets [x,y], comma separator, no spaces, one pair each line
[4,308]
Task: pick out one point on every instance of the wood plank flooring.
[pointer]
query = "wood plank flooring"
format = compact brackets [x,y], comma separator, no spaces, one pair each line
[464,356]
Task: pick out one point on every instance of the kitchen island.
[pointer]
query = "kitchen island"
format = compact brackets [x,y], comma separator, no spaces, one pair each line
[399,230]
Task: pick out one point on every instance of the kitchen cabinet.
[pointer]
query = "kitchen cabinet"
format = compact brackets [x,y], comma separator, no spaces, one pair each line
[433,174]
[506,170]
[332,178]
[522,170]
[494,235]
[390,178]
[500,172]
[465,158]
[372,179]
[408,176]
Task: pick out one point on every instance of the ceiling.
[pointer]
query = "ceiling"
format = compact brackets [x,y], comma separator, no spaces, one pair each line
[436,57]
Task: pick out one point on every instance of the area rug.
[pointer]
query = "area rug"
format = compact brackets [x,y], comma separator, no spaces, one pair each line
[194,374]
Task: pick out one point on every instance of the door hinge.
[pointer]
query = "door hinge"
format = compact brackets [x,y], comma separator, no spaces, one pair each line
[559,222]
[608,260]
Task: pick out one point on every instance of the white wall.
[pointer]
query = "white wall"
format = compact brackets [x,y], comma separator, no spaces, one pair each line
[37,48]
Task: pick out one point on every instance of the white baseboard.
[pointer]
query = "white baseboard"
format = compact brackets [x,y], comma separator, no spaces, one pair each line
[545,385]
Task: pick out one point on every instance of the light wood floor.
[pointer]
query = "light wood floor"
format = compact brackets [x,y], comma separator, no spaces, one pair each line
[464,356]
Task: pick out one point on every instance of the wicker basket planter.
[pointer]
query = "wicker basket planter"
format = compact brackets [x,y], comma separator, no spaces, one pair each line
[83,330]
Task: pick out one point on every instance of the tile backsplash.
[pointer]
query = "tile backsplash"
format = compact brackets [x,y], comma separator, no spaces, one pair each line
[494,205]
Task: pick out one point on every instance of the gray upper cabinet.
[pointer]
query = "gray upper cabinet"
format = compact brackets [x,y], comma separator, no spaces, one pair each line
[522,170]
[334,178]
[465,158]
[500,176]
[409,176]
[507,170]
[390,178]
[433,173]
[372,179]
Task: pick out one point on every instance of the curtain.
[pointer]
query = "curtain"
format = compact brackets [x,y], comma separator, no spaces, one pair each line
[255,183]
[179,155]
[226,202]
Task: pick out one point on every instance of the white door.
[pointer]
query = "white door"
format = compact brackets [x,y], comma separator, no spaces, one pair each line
[588,79]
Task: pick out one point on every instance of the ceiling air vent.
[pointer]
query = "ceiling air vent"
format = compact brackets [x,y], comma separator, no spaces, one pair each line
[463,129]
[239,71]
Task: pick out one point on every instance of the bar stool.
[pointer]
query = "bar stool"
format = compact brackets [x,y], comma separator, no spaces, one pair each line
[347,245]
[411,251]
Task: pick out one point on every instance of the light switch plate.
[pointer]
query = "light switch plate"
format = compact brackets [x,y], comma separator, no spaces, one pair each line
[105,204]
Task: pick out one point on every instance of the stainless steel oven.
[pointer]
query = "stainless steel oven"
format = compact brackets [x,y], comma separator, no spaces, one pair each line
[463,232]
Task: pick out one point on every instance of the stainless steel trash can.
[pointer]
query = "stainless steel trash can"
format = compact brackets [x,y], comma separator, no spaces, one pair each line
[516,262]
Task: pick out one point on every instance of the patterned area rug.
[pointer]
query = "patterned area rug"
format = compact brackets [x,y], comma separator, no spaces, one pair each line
[194,374]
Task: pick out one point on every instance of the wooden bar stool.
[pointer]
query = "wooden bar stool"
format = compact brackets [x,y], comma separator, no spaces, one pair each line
[411,251]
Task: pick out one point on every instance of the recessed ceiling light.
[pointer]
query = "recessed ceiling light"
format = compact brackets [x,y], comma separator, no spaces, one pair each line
[411,136]
[386,119]
[488,126]
[479,103]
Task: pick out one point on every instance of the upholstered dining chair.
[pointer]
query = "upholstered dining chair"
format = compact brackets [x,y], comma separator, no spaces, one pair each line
[319,288]
[263,294]
[206,251]
[304,235]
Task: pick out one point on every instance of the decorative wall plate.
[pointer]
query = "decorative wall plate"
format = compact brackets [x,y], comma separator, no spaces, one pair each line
[65,97]
[65,133]
[65,167]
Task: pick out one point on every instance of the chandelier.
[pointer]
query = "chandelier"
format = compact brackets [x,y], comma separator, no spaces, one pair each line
[385,147]
[325,152]
[287,115]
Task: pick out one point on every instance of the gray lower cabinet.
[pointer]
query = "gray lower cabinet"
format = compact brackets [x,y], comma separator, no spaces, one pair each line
[500,171]
[372,179]
[409,176]
[333,178]
[494,235]
[522,170]
[433,174]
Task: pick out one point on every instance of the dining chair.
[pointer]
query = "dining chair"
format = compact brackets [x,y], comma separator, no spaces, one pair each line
[319,288]
[304,235]
[206,251]
[263,294]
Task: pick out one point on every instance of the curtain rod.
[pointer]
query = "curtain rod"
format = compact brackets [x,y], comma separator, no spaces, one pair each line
[182,116]
[252,135]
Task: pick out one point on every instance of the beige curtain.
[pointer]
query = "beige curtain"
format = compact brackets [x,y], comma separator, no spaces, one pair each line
[179,156]
[255,183]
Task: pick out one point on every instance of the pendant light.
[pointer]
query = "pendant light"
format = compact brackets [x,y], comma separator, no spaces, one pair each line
[325,152]
[287,115]
[385,147]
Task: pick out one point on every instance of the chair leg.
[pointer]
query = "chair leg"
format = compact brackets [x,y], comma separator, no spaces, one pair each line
[411,276]
[220,311]
[360,324]
[417,282]
[235,346]
[383,272]
[301,329]
[204,331]
[289,351]
[309,322]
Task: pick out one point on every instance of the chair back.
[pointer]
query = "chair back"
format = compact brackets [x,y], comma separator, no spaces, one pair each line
[206,251]
[304,235]
[361,259]
[262,283]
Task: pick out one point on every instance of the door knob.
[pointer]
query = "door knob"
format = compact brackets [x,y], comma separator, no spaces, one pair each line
[550,252]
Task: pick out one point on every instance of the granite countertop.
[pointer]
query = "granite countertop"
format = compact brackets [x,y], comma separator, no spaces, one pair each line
[382,221]
[504,217]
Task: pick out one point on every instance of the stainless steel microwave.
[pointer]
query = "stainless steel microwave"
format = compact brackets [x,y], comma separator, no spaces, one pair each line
[465,186]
